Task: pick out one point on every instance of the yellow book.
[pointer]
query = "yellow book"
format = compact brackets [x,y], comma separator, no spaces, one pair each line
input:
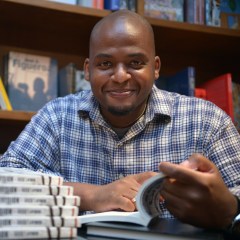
[4,100]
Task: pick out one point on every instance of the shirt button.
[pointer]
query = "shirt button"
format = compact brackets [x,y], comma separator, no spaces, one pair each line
[120,176]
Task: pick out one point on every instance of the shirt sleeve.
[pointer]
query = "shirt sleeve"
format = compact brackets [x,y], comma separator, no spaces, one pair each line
[36,147]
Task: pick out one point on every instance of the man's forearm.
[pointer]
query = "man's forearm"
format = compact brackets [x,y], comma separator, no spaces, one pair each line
[86,193]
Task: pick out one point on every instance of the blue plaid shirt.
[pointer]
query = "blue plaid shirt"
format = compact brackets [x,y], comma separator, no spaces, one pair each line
[69,137]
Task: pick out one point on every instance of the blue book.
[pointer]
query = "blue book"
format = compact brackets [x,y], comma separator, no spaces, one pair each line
[112,5]
[182,82]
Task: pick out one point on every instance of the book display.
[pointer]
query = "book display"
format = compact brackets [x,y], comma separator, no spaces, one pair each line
[34,205]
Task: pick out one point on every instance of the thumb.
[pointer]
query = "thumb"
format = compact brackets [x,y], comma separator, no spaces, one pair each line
[141,177]
[198,162]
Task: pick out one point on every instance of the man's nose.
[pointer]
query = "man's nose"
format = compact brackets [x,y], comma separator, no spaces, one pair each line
[120,74]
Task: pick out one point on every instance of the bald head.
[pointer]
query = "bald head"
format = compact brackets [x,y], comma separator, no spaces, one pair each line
[123,22]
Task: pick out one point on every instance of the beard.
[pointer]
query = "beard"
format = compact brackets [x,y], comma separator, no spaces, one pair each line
[120,111]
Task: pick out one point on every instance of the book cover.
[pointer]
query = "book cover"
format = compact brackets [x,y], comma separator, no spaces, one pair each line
[36,200]
[200,93]
[236,104]
[72,2]
[230,14]
[71,80]
[37,210]
[4,100]
[37,233]
[128,4]
[31,80]
[183,82]
[16,188]
[168,10]
[37,221]
[91,3]
[194,11]
[66,80]
[112,5]
[25,176]
[219,91]
[161,229]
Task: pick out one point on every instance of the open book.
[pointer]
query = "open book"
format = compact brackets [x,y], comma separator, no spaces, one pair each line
[147,203]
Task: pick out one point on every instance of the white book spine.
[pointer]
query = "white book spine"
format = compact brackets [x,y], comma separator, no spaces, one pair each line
[37,233]
[19,210]
[36,190]
[23,175]
[44,221]
[30,179]
[48,200]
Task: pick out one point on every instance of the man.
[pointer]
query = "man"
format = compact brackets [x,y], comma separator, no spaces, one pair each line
[108,141]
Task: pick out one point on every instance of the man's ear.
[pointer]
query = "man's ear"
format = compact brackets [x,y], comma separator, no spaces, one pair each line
[157,67]
[86,69]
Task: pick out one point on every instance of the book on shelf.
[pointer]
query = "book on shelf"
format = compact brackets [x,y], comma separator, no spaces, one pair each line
[72,2]
[35,221]
[38,210]
[71,80]
[115,5]
[4,100]
[91,3]
[212,13]
[37,233]
[230,14]
[236,104]
[16,188]
[167,10]
[219,91]
[164,229]
[182,82]
[200,93]
[30,80]
[194,11]
[26,176]
[147,203]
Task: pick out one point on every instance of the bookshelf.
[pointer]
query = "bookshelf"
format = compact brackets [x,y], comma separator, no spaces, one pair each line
[62,31]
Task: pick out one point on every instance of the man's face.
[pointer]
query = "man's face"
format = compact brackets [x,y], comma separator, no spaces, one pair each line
[122,67]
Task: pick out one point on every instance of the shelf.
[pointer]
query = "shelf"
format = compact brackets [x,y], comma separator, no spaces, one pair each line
[49,26]
[13,116]
[12,123]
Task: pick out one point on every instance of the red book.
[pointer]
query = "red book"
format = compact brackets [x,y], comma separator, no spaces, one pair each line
[219,91]
[200,93]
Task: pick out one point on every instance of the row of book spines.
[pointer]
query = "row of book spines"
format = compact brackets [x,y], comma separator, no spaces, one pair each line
[35,210]
[24,232]
[8,178]
[102,4]
[16,188]
[45,221]
[39,200]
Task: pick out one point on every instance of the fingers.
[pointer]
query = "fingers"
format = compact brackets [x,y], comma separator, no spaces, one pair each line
[141,177]
[189,169]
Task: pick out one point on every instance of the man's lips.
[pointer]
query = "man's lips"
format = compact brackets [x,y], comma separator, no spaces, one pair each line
[120,92]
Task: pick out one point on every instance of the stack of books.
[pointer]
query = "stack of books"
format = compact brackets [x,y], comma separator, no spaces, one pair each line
[34,205]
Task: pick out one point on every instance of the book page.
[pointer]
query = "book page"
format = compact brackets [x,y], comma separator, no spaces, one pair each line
[148,197]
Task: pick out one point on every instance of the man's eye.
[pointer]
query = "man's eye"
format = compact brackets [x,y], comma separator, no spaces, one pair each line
[136,64]
[105,64]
